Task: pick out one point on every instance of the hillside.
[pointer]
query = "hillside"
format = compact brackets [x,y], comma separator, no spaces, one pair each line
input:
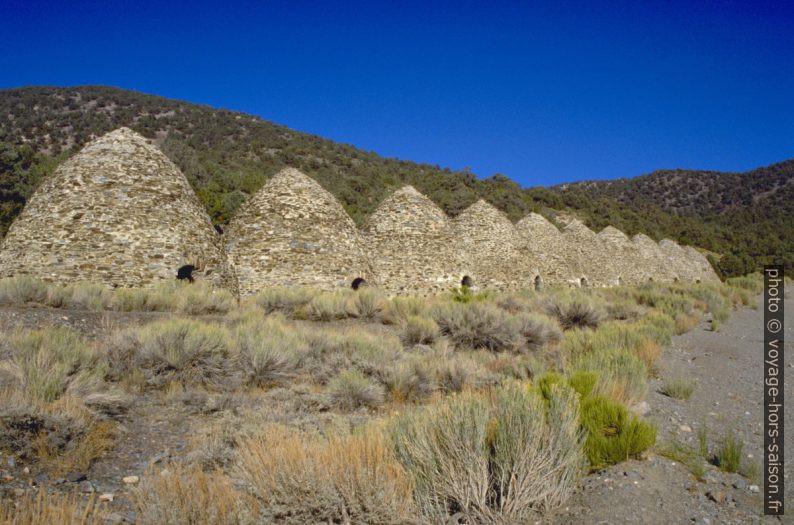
[228,155]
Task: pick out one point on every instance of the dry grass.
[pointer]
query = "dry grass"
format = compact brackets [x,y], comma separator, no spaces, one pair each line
[189,495]
[494,459]
[51,509]
[299,480]
[419,331]
[479,325]
[351,389]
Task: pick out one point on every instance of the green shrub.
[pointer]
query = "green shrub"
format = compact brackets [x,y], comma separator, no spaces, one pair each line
[613,436]
[419,330]
[465,294]
[686,455]
[331,351]
[678,388]
[583,382]
[351,389]
[200,298]
[659,327]
[729,454]
[479,326]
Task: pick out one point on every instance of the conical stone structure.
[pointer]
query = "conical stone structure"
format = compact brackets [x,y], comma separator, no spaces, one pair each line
[620,253]
[490,242]
[588,255]
[411,245]
[292,232]
[548,253]
[652,264]
[704,272]
[119,213]
[678,262]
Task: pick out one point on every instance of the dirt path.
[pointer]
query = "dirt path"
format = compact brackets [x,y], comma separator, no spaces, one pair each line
[727,368]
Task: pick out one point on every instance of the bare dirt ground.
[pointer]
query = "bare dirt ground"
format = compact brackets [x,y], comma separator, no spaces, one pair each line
[727,367]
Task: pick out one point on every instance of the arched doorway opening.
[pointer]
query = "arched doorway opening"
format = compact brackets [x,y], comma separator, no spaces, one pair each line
[620,281]
[467,281]
[358,282]
[538,283]
[583,282]
[185,273]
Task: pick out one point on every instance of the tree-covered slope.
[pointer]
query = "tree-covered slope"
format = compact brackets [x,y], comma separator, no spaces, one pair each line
[228,155]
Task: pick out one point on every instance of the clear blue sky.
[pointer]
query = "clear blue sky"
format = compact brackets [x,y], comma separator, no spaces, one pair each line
[543,93]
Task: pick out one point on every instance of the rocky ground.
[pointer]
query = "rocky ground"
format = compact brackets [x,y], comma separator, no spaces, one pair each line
[727,367]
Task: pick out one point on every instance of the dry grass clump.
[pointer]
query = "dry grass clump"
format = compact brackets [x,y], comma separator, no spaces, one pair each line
[182,351]
[22,290]
[329,307]
[397,309]
[366,303]
[333,350]
[51,509]
[538,331]
[631,338]
[491,459]
[575,313]
[409,381]
[679,388]
[419,331]
[298,480]
[53,398]
[621,375]
[351,389]
[285,300]
[479,325]
[686,322]
[270,353]
[189,495]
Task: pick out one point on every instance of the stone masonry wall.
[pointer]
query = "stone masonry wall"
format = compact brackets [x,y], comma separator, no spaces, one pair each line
[293,232]
[491,243]
[119,213]
[411,245]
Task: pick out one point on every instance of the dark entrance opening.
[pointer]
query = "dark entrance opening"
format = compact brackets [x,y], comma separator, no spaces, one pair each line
[583,282]
[538,283]
[218,228]
[697,281]
[675,279]
[467,281]
[185,273]
[620,281]
[650,279]
[357,283]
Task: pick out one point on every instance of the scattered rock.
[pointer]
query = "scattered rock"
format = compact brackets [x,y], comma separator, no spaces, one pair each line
[76,477]
[11,462]
[740,484]
[26,470]
[107,496]
[685,428]
[641,409]
[754,488]
[114,519]
[130,480]
[86,487]
[40,479]
[717,496]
